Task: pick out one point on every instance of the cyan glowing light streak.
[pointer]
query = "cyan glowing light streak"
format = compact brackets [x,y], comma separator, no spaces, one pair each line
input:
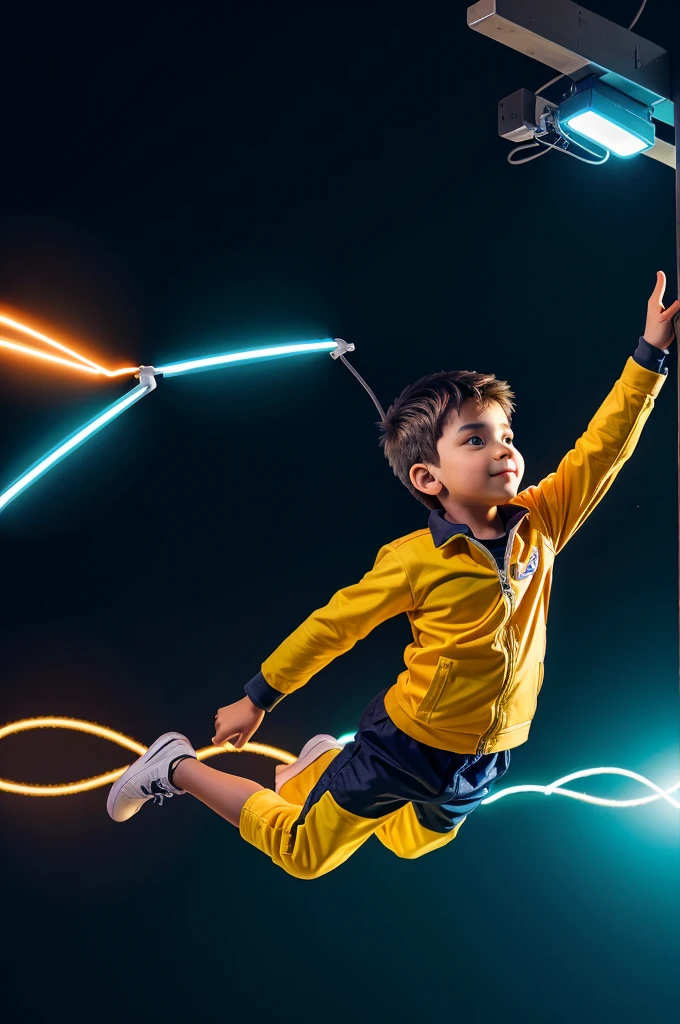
[210,362]
[72,442]
[556,787]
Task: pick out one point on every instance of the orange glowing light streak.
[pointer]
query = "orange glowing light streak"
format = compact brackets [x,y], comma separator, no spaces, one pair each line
[25,350]
[107,779]
[84,363]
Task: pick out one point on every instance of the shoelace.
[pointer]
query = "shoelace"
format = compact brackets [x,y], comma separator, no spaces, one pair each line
[158,791]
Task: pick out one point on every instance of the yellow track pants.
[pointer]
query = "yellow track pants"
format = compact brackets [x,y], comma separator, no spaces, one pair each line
[329,834]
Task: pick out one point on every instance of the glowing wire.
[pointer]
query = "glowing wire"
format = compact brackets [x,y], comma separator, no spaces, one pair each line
[84,364]
[209,362]
[88,366]
[23,349]
[71,443]
[186,366]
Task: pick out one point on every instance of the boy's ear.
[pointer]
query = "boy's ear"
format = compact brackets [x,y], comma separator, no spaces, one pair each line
[422,479]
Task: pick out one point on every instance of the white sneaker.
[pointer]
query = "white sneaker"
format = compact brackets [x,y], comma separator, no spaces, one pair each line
[312,749]
[147,778]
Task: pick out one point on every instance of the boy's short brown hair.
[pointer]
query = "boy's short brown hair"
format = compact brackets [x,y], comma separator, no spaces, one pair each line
[415,421]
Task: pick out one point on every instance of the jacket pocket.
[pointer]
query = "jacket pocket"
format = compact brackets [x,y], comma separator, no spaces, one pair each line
[440,679]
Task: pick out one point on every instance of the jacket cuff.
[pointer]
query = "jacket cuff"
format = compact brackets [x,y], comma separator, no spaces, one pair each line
[650,357]
[262,694]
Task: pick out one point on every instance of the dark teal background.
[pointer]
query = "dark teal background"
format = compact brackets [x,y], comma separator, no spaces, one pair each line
[188,180]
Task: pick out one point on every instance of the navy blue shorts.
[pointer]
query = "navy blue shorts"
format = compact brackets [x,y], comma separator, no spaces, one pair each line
[383,769]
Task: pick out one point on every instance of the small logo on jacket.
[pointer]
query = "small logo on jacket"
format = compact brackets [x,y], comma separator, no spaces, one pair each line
[530,567]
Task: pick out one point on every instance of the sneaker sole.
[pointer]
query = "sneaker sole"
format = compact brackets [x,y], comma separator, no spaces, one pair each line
[313,749]
[137,767]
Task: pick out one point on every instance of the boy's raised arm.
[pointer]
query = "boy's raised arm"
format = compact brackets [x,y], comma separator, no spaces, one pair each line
[563,500]
[384,591]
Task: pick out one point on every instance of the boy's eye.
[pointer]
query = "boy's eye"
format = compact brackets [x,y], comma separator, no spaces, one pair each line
[476,437]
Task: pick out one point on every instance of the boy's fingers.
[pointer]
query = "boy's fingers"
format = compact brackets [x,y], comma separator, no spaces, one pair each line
[671,311]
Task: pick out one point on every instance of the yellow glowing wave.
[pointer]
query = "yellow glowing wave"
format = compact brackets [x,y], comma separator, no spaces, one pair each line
[108,778]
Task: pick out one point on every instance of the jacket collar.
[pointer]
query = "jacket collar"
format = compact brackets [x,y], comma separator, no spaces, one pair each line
[442,530]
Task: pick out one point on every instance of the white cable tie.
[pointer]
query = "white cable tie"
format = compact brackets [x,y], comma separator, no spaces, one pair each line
[147,376]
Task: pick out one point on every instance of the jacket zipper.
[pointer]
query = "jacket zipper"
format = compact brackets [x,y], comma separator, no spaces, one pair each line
[510,649]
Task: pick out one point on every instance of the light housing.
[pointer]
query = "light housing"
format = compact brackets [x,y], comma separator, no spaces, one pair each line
[608,117]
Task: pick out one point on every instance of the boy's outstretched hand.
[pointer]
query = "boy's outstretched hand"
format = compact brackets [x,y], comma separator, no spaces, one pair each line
[237,722]
[659,327]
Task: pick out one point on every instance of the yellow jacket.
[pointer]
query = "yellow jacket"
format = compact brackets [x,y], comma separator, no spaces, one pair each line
[475,666]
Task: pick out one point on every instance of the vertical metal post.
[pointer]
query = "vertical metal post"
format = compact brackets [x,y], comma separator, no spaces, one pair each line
[675,93]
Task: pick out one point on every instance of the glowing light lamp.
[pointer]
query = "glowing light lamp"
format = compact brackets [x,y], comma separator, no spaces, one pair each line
[608,117]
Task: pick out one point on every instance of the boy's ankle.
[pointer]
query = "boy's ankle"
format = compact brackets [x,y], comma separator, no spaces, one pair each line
[174,765]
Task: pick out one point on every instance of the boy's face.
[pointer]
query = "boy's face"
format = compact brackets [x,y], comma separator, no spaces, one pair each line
[472,459]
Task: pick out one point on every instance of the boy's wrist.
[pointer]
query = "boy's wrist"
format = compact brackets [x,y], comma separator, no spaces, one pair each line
[651,357]
[263,696]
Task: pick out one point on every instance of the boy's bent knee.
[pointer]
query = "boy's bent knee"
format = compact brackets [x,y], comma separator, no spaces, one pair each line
[409,841]
[304,871]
